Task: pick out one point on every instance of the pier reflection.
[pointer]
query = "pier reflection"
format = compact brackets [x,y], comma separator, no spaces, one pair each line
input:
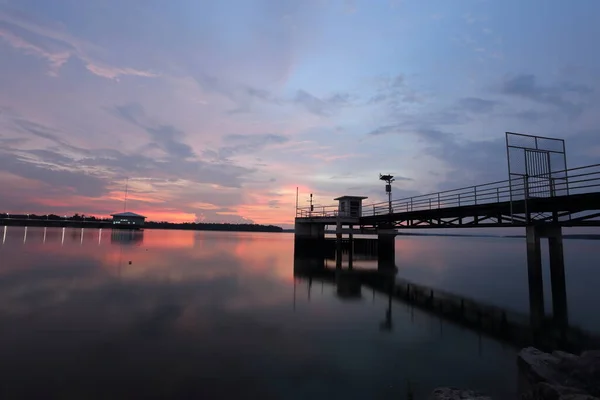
[510,327]
[127,237]
[64,236]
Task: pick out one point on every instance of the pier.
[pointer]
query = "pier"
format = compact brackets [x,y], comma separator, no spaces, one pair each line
[541,196]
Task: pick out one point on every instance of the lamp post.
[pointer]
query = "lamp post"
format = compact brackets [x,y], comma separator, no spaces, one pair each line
[388,179]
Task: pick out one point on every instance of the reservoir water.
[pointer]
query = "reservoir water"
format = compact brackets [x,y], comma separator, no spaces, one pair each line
[182,314]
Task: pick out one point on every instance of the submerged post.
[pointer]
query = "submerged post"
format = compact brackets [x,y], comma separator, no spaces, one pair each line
[557,276]
[534,274]
[386,247]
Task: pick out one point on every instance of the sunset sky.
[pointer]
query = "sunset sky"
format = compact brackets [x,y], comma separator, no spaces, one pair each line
[217,110]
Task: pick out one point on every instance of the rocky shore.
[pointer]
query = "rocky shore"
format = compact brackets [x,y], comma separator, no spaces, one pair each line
[559,375]
[546,376]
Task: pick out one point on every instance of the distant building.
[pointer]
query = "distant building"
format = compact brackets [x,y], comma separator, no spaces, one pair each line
[128,219]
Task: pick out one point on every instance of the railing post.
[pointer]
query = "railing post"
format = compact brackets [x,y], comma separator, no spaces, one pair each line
[430,203]
[498,195]
[411,204]
[438,200]
[475,192]
[459,199]
[373,209]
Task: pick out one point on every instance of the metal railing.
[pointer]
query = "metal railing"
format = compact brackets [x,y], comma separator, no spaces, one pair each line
[317,211]
[572,181]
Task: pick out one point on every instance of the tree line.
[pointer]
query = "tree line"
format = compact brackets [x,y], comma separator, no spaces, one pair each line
[52,219]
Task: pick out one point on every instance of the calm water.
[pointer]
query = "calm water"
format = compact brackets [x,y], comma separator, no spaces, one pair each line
[196,314]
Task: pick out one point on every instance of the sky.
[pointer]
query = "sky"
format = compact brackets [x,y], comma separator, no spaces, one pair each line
[217,111]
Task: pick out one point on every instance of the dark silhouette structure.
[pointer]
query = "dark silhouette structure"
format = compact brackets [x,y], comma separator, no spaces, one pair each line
[541,195]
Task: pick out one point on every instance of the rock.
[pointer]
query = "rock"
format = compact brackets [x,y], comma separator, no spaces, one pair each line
[546,391]
[563,355]
[535,367]
[448,393]
[591,354]
[559,375]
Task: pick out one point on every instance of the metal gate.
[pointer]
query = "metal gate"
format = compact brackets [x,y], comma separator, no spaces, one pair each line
[538,174]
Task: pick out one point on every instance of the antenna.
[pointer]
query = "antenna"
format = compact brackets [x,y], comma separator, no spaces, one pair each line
[296,201]
[126,190]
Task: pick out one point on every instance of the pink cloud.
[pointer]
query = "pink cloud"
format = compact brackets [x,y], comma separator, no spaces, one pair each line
[73,48]
[56,60]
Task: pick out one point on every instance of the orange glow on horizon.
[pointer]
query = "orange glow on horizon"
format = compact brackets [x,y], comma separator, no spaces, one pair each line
[264,206]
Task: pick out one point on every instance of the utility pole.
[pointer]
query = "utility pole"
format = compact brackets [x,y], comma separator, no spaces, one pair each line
[388,179]
[126,192]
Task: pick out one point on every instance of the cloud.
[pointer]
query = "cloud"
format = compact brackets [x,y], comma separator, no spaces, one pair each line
[245,144]
[532,115]
[166,137]
[30,127]
[477,105]
[394,92]
[527,87]
[110,72]
[313,104]
[386,129]
[74,181]
[70,47]
[323,107]
[429,134]
[89,175]
[211,91]
[56,60]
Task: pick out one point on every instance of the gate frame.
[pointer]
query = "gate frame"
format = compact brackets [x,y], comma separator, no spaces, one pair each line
[525,177]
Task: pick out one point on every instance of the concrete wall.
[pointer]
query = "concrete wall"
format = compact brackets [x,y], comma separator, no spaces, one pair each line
[307,230]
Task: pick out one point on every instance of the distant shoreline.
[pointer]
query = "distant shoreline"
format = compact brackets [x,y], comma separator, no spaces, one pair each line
[97,224]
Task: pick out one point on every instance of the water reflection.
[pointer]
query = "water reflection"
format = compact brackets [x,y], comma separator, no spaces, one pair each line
[517,329]
[217,315]
[127,237]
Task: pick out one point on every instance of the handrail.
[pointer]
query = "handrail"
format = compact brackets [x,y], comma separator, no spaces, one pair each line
[525,187]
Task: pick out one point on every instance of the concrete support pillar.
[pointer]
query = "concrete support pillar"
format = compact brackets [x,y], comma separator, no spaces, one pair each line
[534,272]
[386,249]
[338,244]
[350,248]
[557,276]
[309,239]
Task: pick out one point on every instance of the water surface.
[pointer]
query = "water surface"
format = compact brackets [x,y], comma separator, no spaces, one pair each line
[100,314]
